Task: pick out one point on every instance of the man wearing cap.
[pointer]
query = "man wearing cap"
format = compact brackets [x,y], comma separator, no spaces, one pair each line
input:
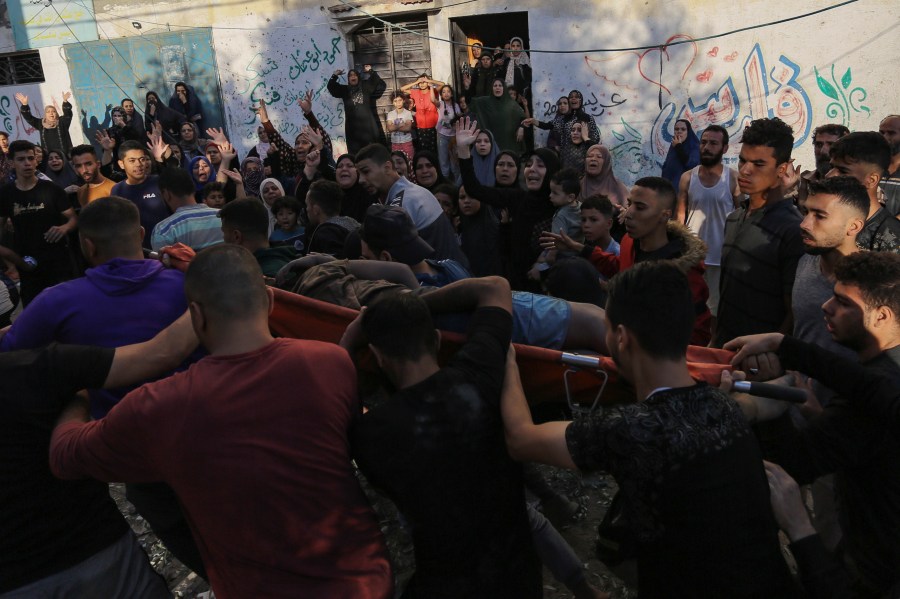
[377,173]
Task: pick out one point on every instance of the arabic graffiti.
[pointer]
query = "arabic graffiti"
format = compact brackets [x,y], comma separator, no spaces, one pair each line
[627,151]
[765,94]
[314,58]
[280,73]
[847,100]
[593,105]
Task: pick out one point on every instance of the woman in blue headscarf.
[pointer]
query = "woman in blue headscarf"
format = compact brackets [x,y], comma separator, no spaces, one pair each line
[202,172]
[684,153]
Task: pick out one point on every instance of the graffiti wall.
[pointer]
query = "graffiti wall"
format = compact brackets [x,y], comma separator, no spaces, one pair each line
[833,67]
[39,95]
[280,64]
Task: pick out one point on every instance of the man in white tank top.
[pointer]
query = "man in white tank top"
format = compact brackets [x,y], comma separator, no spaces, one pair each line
[706,195]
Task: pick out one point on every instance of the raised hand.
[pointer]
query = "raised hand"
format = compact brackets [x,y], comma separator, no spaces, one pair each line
[466,131]
[234,175]
[338,72]
[305,102]
[228,152]
[158,147]
[314,137]
[528,122]
[105,141]
[263,113]
[313,160]
[22,98]
[66,96]
[217,135]
[467,81]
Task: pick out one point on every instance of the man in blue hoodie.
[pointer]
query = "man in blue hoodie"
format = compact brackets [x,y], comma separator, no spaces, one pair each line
[122,299]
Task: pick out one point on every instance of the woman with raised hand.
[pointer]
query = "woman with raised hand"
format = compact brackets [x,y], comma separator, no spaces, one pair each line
[361,127]
[529,208]
[54,129]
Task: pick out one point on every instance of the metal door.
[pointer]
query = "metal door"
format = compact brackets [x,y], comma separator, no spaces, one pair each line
[399,51]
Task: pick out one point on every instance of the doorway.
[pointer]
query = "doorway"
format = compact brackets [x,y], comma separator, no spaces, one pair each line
[397,49]
[491,31]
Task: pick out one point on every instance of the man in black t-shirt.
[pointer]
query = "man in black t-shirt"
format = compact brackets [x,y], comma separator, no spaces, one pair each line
[436,445]
[42,217]
[694,495]
[67,538]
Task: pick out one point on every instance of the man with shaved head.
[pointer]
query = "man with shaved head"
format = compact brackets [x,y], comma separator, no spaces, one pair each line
[253,440]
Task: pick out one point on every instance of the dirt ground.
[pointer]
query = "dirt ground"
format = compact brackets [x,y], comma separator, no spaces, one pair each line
[593,494]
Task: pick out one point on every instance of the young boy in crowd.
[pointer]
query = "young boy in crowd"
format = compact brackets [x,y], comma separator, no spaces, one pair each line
[399,124]
[565,187]
[214,194]
[287,228]
[596,223]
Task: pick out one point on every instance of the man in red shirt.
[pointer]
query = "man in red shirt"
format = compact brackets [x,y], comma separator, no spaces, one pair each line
[253,439]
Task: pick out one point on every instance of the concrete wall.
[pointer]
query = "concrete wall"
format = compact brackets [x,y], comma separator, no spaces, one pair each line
[837,66]
[832,67]
[57,81]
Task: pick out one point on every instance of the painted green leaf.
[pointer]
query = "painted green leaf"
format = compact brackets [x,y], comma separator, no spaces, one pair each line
[846,79]
[618,136]
[826,87]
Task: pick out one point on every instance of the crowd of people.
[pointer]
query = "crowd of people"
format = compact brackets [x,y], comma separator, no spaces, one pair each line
[146,273]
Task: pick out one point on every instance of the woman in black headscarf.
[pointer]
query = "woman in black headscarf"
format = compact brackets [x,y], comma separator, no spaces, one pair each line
[185,101]
[426,168]
[361,127]
[168,118]
[356,199]
[529,209]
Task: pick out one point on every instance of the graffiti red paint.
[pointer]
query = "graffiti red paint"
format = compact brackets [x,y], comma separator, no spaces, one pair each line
[680,52]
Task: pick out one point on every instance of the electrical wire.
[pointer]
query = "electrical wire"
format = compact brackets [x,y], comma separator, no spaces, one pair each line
[601,50]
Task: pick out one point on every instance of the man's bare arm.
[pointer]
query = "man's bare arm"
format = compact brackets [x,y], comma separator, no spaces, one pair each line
[525,441]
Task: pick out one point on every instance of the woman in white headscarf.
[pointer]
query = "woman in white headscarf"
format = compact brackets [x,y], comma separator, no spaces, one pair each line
[516,68]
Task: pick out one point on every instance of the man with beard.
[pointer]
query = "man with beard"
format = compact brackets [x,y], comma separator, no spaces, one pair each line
[86,165]
[890,182]
[865,156]
[823,138]
[706,195]
[694,496]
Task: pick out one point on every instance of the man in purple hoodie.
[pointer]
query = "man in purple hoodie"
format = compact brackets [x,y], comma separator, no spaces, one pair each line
[122,299]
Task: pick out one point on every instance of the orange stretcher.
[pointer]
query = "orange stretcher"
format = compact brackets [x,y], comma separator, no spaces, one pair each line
[548,375]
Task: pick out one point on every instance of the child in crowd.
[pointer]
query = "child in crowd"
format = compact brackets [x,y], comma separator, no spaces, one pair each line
[288,231]
[214,194]
[596,223]
[565,187]
[399,124]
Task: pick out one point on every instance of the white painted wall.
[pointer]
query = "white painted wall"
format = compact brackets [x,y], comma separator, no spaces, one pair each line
[730,80]
[286,57]
[56,81]
[278,50]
